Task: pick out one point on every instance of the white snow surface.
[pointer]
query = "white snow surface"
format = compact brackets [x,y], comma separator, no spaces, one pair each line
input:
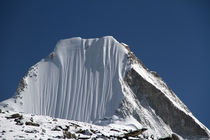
[80,80]
[54,128]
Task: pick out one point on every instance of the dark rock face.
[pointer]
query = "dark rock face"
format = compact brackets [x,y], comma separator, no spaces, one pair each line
[22,85]
[32,124]
[147,94]
[135,133]
[15,116]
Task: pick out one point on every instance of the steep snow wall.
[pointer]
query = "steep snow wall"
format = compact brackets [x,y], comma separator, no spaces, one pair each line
[80,80]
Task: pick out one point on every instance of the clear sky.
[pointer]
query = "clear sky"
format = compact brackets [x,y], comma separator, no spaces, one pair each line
[170,37]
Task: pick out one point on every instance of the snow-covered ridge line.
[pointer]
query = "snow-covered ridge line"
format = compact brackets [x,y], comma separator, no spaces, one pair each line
[154,79]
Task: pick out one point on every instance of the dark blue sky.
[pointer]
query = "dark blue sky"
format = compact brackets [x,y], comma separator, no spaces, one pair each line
[170,37]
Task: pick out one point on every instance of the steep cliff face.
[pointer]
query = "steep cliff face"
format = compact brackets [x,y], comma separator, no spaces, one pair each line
[94,80]
[80,80]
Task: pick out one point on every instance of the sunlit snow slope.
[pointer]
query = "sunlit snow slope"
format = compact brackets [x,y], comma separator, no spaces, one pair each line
[93,80]
[80,80]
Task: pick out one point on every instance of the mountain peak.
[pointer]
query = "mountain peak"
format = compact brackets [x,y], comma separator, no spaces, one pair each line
[78,42]
[95,80]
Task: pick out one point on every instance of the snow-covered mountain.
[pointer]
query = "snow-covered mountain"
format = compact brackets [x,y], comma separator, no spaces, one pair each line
[101,81]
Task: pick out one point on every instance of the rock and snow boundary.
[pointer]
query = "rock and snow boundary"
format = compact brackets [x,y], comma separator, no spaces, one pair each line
[100,81]
[16,125]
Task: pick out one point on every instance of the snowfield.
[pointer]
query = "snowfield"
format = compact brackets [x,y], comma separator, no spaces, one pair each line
[15,125]
[99,85]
